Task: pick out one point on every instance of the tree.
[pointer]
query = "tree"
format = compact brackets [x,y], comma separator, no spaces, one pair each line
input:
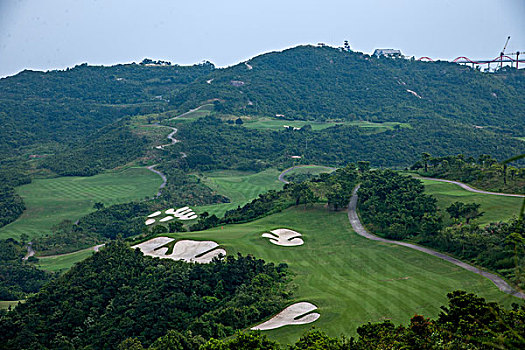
[425,157]
[159,229]
[239,121]
[471,212]
[175,226]
[363,166]
[336,197]
[455,210]
[98,205]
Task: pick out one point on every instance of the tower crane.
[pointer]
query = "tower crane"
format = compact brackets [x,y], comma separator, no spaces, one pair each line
[503,52]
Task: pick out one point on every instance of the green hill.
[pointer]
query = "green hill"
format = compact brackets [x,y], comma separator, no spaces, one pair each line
[319,83]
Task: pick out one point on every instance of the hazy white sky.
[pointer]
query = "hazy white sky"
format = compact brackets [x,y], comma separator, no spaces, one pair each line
[50,34]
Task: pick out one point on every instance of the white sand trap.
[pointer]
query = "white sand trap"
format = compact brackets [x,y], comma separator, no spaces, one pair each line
[284,237]
[190,216]
[167,218]
[180,210]
[208,257]
[148,247]
[291,316]
[189,251]
[170,211]
[149,221]
[157,213]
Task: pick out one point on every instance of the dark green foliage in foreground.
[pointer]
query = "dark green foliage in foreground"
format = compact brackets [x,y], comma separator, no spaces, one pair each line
[484,172]
[119,293]
[18,278]
[108,148]
[396,205]
[467,322]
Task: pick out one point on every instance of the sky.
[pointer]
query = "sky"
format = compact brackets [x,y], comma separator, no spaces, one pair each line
[55,34]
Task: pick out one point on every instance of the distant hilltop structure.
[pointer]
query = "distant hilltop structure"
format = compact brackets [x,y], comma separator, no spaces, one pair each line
[387,53]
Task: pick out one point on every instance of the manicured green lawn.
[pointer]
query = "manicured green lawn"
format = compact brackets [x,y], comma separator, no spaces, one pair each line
[312,170]
[351,279]
[278,124]
[64,262]
[496,208]
[239,187]
[50,201]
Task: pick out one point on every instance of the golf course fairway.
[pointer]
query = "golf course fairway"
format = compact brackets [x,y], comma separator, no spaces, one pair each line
[351,279]
[50,201]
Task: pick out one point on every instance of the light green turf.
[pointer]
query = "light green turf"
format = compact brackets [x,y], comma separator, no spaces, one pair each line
[239,187]
[63,262]
[521,138]
[312,170]
[496,208]
[50,201]
[351,279]
[6,304]
[278,124]
[201,111]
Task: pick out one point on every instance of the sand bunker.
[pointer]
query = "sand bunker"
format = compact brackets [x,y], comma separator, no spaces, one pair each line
[293,315]
[201,252]
[284,237]
[184,213]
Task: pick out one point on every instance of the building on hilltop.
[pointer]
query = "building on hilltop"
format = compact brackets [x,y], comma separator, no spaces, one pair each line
[387,53]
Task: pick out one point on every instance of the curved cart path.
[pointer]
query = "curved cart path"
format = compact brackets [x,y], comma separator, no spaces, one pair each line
[164,178]
[471,189]
[360,230]
[286,171]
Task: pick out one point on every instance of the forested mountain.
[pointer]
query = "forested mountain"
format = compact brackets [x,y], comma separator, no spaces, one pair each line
[65,106]
[317,83]
[211,143]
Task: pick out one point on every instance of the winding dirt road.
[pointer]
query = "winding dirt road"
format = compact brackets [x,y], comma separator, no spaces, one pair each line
[360,230]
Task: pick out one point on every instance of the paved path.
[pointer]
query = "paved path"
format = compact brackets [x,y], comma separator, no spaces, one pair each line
[471,189]
[283,174]
[164,178]
[360,230]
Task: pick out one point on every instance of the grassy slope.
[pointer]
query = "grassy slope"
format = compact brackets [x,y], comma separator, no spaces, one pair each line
[50,201]
[351,279]
[496,208]
[239,187]
[60,263]
[278,124]
[309,170]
